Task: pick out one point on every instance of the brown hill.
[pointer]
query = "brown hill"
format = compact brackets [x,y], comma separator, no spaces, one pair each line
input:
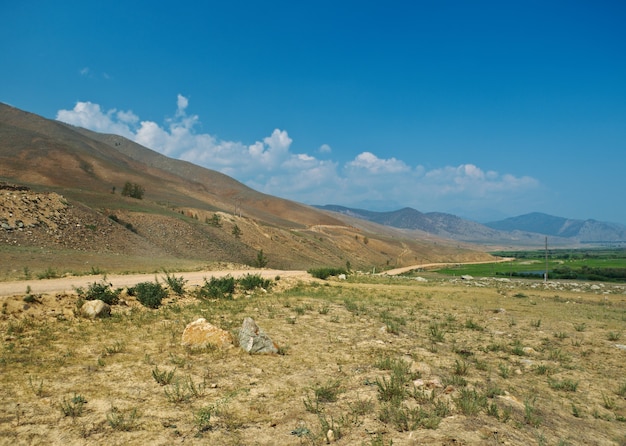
[74,205]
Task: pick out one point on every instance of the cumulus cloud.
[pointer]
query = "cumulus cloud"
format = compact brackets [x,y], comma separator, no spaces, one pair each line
[269,165]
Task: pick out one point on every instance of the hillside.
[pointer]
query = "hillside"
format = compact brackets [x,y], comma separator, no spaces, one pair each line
[173,226]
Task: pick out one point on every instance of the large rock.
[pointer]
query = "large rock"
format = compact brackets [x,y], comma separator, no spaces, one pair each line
[95,308]
[201,333]
[254,340]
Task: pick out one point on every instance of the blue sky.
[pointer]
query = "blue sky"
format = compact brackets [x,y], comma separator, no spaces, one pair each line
[484,109]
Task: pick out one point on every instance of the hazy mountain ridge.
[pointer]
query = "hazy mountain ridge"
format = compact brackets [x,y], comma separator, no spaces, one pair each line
[526,229]
[584,230]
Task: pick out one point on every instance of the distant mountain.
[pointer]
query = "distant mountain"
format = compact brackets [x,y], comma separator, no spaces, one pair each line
[529,229]
[439,224]
[583,230]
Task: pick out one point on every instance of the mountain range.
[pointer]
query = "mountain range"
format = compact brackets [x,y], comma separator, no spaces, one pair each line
[529,229]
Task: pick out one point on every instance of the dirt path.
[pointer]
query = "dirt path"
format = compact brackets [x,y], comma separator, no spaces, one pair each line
[68,284]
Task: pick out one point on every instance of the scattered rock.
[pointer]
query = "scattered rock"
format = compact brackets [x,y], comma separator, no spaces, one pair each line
[341,277]
[621,346]
[254,340]
[330,436]
[467,277]
[95,309]
[420,279]
[201,333]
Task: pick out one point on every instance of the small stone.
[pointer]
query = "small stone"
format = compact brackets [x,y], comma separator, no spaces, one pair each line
[330,436]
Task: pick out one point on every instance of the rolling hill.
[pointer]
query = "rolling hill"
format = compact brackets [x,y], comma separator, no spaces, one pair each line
[83,173]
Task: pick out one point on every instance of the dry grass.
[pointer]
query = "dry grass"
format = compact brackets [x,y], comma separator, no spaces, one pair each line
[374,361]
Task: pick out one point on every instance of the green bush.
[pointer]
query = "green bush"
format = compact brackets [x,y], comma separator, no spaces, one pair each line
[326,272]
[217,288]
[100,291]
[253,281]
[150,294]
[176,284]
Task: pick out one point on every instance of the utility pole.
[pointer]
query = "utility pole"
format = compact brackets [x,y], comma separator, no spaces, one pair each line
[545,275]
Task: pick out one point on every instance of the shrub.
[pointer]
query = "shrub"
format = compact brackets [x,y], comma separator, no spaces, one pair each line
[252,281]
[100,291]
[150,294]
[326,272]
[133,190]
[217,288]
[261,260]
[176,284]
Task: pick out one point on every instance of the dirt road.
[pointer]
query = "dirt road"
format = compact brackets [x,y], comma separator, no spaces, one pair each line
[68,284]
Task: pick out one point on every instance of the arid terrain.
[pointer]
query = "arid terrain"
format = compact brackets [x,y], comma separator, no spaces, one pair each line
[371,360]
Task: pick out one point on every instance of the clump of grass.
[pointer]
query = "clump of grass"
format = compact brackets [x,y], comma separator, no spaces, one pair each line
[163,377]
[116,347]
[73,407]
[460,368]
[405,419]
[614,336]
[436,332]
[530,412]
[202,418]
[470,402]
[328,392]
[505,370]
[122,420]
[567,384]
[471,325]
[580,327]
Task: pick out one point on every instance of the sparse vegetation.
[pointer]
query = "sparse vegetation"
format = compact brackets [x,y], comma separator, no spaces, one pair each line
[485,373]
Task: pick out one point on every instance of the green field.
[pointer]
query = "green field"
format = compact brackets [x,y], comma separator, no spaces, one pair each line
[587,264]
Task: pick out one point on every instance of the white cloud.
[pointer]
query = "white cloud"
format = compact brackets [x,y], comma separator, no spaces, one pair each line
[325,148]
[374,165]
[269,165]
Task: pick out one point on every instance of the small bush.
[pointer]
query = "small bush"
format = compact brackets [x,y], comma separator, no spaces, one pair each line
[150,294]
[222,288]
[253,281]
[176,284]
[100,291]
[326,272]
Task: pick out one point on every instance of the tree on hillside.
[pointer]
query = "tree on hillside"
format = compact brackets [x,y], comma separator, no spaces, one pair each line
[236,231]
[261,260]
[133,190]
